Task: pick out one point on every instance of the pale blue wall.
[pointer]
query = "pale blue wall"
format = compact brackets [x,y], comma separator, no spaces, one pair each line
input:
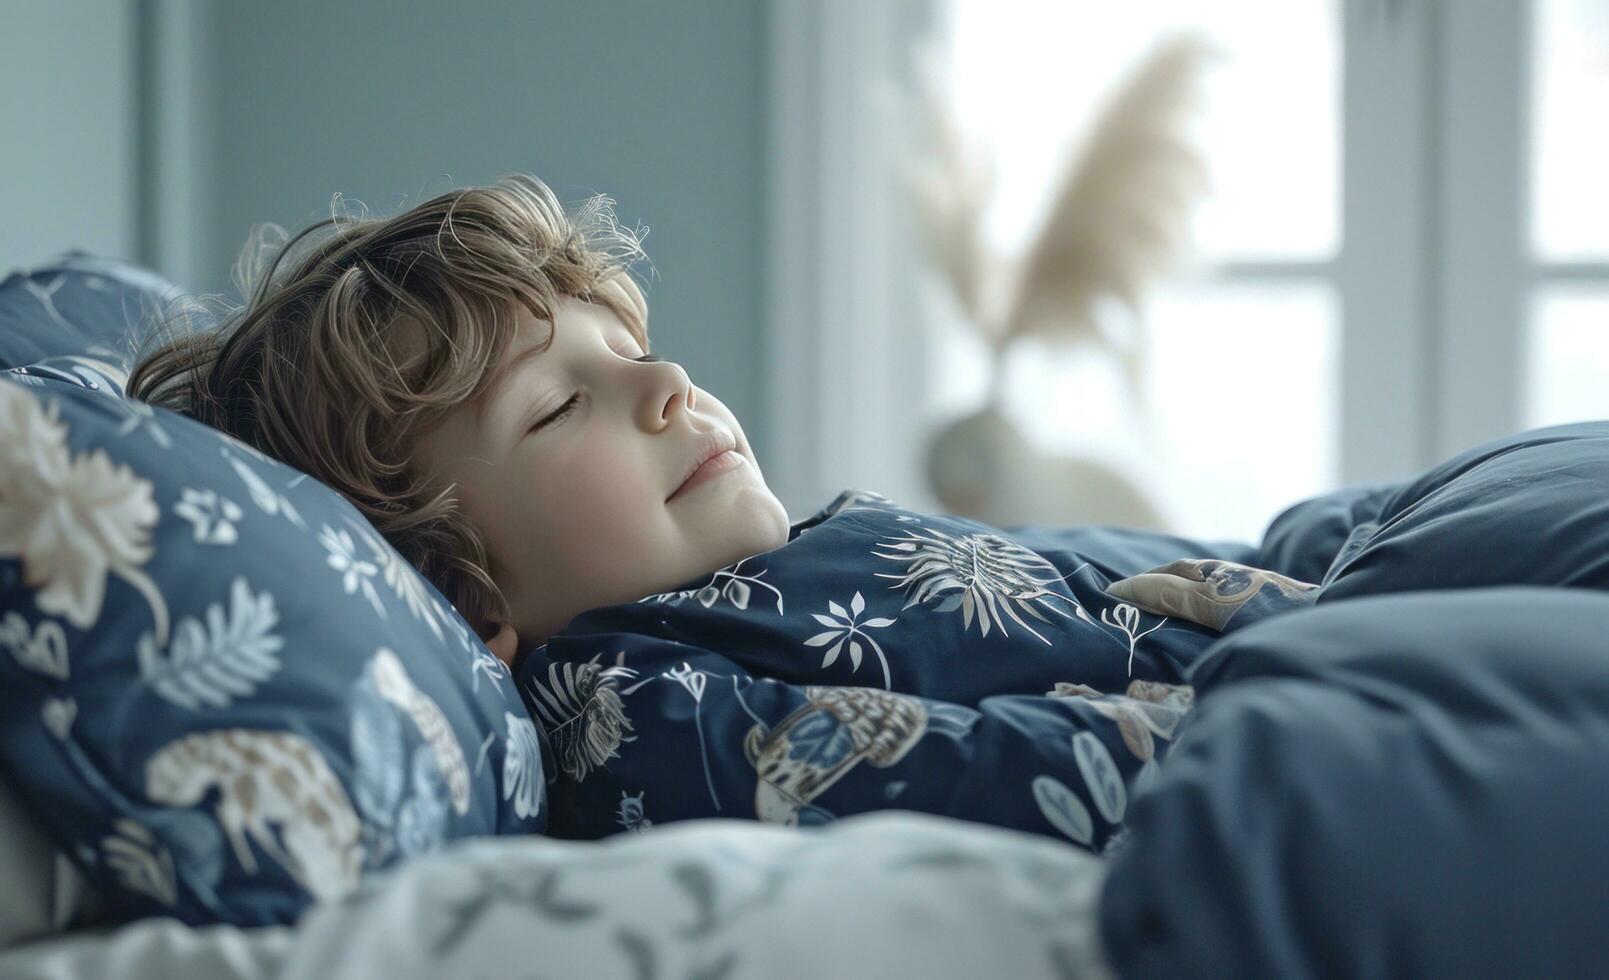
[659,105]
[68,111]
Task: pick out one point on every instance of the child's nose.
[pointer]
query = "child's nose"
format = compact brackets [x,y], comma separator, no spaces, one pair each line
[670,392]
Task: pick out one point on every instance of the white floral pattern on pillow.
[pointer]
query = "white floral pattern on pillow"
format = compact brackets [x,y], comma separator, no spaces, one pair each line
[204,717]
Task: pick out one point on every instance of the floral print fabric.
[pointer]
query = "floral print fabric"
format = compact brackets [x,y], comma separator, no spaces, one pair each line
[78,305]
[881,659]
[221,691]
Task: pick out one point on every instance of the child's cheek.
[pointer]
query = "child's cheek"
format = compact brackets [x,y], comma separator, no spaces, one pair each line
[607,496]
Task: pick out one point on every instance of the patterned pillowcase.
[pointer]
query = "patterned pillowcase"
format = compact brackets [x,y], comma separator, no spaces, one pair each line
[78,304]
[221,691]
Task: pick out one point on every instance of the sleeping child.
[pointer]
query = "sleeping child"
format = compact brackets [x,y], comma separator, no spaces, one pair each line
[475,375]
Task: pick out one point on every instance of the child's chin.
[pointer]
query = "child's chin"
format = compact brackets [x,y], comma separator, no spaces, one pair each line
[748,517]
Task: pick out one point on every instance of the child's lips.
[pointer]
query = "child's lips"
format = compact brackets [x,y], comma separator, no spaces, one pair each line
[711,444]
[715,466]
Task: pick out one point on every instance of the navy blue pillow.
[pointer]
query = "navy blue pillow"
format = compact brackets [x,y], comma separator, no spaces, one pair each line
[221,691]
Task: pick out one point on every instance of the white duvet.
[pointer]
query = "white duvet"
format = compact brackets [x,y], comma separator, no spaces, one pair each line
[888,894]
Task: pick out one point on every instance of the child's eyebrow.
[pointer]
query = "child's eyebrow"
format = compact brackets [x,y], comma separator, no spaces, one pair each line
[494,392]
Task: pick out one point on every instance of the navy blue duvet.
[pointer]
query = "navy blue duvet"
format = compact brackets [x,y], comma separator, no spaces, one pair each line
[882,658]
[1412,777]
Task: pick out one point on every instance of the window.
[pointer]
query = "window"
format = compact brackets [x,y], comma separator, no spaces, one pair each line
[1408,252]
[1262,322]
[1567,362]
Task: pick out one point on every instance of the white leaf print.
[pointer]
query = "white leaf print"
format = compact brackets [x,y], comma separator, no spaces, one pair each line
[394,684]
[738,589]
[356,574]
[687,677]
[845,628]
[214,517]
[832,655]
[1062,807]
[265,497]
[522,764]
[45,652]
[46,295]
[58,715]
[484,663]
[403,579]
[217,663]
[995,578]
[141,863]
[141,416]
[1100,775]
[581,711]
[457,625]
[1124,617]
[72,520]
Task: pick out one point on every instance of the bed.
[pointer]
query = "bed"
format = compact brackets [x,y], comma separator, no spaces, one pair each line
[1406,778]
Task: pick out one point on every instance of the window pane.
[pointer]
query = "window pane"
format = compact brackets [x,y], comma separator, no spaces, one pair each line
[1570,195]
[1028,76]
[1242,380]
[1567,374]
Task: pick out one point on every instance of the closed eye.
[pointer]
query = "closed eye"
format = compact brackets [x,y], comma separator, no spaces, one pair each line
[563,411]
[558,414]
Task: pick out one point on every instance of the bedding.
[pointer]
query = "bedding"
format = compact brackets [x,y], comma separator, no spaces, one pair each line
[222,694]
[880,659]
[927,897]
[1525,509]
[1402,776]
[79,304]
[41,892]
[1406,778]
[1026,677]
[1404,785]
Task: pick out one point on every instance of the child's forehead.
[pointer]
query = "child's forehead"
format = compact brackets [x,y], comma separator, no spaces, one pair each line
[535,335]
[569,315]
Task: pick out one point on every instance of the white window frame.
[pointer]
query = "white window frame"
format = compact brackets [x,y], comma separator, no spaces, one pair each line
[1434,275]
[845,364]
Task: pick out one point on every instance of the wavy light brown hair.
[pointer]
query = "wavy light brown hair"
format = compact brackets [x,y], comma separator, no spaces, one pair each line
[373,333]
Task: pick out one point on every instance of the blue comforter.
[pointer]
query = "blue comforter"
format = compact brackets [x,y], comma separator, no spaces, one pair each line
[1410,778]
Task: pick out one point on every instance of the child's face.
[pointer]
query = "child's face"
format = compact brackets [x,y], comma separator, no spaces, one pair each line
[577,511]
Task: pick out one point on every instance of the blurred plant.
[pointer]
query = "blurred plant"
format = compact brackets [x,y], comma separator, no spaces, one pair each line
[1118,219]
